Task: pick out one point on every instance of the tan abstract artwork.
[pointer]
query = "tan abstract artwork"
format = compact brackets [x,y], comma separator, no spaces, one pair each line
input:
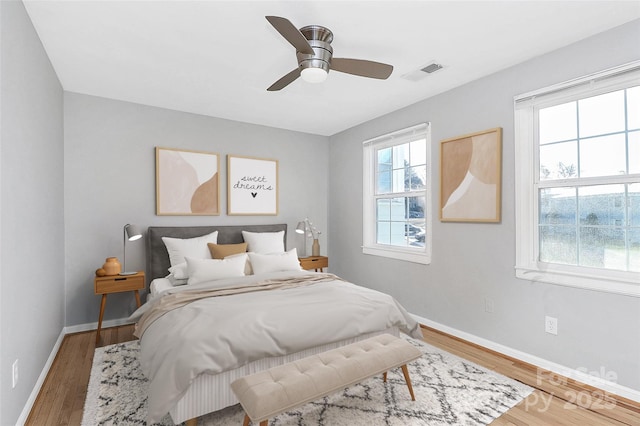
[470,177]
[187,182]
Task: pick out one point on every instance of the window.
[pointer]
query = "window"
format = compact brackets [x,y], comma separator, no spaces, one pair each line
[396,208]
[578,182]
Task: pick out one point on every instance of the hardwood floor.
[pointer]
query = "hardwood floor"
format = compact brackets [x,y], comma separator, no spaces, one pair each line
[556,400]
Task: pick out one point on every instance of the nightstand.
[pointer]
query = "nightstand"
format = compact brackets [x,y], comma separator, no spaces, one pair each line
[116,284]
[314,262]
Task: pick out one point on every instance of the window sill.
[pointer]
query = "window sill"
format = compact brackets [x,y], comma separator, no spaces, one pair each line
[626,283]
[415,257]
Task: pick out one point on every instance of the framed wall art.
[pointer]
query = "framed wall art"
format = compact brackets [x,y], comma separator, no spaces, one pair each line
[470,177]
[187,182]
[252,186]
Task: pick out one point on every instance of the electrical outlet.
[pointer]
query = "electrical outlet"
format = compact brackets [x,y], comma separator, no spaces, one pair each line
[488,305]
[551,325]
[14,374]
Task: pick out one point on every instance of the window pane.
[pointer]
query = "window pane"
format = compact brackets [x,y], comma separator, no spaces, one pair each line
[415,232]
[418,152]
[417,178]
[416,205]
[634,204]
[558,244]
[558,123]
[559,161]
[604,156]
[384,159]
[400,156]
[383,209]
[383,232]
[602,205]
[398,209]
[634,152]
[397,234]
[634,250]
[633,108]
[384,183]
[558,206]
[602,114]
[399,181]
[603,247]
[401,221]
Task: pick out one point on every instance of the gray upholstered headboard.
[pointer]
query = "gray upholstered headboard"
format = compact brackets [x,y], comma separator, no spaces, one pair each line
[158,258]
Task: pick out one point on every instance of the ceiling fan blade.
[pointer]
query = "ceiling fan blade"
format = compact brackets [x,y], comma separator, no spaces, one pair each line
[285,81]
[291,34]
[362,68]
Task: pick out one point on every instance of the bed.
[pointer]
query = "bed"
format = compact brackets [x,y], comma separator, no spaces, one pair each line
[205,389]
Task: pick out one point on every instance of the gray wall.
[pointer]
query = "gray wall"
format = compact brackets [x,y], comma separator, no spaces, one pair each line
[109,181]
[474,261]
[31,224]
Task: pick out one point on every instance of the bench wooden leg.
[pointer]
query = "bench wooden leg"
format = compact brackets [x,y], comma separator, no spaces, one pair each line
[191,422]
[384,377]
[407,379]
[247,420]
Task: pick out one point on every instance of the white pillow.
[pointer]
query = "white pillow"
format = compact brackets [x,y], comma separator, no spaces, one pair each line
[263,263]
[180,271]
[179,248]
[201,270]
[176,281]
[247,265]
[264,242]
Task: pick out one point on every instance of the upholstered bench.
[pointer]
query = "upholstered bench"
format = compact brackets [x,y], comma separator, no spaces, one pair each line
[268,393]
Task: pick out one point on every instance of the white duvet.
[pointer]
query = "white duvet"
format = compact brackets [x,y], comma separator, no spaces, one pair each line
[215,334]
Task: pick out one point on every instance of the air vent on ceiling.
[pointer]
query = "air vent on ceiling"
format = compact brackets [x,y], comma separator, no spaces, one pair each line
[423,71]
[431,68]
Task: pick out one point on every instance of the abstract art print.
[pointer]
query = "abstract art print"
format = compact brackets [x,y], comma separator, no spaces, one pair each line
[470,177]
[187,182]
[252,186]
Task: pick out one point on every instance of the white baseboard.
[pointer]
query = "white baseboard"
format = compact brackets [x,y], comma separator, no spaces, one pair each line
[43,375]
[94,325]
[54,351]
[544,364]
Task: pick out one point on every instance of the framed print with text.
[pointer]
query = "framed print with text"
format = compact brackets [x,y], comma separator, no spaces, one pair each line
[252,186]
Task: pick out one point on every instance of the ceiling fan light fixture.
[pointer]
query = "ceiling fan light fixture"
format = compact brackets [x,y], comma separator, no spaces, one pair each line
[315,56]
[314,75]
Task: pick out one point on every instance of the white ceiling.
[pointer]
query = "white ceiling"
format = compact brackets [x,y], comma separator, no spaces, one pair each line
[218,57]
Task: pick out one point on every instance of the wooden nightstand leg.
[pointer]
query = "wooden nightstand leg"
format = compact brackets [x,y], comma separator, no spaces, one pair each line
[137,297]
[102,304]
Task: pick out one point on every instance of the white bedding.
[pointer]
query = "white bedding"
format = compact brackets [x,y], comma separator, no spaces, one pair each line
[157,286]
[217,334]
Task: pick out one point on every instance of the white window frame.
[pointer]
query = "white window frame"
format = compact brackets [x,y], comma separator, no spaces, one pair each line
[369,244]
[527,183]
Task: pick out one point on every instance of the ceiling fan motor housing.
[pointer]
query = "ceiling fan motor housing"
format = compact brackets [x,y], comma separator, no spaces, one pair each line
[320,39]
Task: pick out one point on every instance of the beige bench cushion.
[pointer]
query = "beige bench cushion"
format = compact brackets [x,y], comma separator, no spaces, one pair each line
[279,389]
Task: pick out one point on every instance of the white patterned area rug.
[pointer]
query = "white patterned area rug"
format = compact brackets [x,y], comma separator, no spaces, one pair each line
[449,391]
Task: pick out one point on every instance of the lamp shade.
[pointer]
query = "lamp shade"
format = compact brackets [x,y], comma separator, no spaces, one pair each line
[301,228]
[132,232]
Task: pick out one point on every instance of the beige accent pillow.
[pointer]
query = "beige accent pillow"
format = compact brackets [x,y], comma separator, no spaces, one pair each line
[220,251]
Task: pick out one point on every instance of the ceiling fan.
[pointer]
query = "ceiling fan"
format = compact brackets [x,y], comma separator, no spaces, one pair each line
[315,56]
